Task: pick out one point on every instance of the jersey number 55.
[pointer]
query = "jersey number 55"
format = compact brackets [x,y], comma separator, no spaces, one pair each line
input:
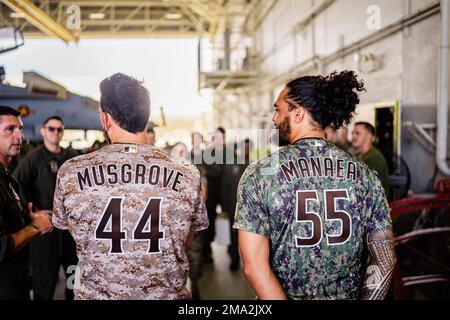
[331,214]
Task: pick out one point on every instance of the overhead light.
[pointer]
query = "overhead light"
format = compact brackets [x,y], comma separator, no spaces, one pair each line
[40,19]
[17,15]
[173,16]
[97,16]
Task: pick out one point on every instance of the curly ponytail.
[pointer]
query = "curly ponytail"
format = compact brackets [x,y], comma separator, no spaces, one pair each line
[329,100]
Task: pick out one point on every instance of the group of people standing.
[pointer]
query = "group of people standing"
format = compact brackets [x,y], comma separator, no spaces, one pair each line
[310,221]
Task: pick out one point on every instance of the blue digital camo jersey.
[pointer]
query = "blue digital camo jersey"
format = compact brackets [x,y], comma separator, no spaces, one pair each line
[315,203]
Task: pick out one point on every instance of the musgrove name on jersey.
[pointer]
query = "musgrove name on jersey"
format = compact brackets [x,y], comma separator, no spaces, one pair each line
[113,174]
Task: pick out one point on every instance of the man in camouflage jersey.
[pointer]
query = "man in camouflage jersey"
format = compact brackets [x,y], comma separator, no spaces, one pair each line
[129,206]
[308,214]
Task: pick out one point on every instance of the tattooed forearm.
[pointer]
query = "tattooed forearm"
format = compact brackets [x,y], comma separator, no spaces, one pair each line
[382,259]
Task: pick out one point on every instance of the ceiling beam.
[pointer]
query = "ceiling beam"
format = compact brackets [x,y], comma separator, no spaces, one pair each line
[40,19]
[102,10]
[209,17]
[189,13]
[124,34]
[199,9]
[220,19]
[101,3]
[127,19]
[135,22]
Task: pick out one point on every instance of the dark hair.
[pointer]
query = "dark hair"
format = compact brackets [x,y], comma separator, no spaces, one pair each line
[150,130]
[367,126]
[8,111]
[52,118]
[329,100]
[221,130]
[127,101]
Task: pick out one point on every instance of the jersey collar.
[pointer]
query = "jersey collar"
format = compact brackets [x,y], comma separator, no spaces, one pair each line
[309,139]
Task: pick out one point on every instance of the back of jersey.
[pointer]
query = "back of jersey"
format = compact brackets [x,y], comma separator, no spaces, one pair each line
[130,209]
[315,205]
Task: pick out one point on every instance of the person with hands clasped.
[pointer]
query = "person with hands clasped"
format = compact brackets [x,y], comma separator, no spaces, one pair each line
[18,224]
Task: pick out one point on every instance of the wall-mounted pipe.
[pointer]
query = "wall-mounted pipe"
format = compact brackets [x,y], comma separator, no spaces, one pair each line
[286,38]
[305,67]
[442,112]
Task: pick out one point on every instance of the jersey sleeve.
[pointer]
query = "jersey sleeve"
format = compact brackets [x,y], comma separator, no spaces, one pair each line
[59,218]
[251,213]
[200,220]
[379,213]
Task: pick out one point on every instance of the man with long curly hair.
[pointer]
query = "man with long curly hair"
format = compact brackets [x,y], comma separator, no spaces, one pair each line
[306,223]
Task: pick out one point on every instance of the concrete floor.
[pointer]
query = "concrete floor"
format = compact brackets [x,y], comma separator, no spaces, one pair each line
[217,282]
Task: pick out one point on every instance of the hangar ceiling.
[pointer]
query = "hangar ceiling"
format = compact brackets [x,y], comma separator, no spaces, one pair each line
[127,18]
[227,25]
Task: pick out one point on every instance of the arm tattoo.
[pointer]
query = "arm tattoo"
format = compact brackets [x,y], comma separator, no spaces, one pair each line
[382,260]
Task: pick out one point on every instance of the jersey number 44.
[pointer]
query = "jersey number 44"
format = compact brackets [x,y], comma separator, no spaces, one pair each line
[110,226]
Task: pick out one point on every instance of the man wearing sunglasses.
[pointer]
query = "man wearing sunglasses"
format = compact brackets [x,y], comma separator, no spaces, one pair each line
[37,174]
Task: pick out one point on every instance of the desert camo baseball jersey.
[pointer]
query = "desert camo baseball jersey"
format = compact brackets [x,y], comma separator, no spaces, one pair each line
[130,209]
[315,205]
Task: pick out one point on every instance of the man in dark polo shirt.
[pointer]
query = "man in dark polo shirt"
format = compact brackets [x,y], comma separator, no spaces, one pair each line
[37,174]
[18,224]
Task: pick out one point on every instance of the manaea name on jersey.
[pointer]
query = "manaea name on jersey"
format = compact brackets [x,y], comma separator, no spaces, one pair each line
[320,167]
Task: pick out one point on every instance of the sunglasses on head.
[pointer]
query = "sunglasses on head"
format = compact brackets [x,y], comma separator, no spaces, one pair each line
[53,129]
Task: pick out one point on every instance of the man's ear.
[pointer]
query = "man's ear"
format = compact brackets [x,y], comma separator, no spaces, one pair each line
[42,131]
[299,115]
[105,118]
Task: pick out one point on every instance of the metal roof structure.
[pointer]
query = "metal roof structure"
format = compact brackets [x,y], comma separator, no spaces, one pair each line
[72,19]
[226,25]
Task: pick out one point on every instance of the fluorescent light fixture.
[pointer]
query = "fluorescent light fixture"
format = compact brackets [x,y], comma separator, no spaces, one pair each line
[173,16]
[97,16]
[17,15]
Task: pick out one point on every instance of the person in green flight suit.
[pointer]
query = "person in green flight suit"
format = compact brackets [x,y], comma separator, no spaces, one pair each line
[362,140]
